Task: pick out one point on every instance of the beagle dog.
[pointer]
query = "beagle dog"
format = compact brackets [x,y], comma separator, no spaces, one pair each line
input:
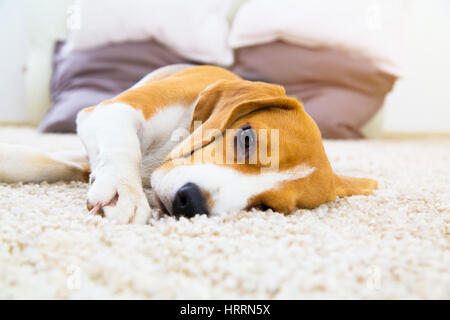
[205,140]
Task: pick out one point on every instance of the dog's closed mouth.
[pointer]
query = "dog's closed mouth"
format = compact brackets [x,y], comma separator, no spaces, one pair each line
[260,207]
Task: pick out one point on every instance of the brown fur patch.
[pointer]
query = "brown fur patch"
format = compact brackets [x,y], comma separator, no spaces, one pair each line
[181,88]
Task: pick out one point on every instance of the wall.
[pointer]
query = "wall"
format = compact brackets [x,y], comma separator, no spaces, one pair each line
[420,101]
[29,30]
[13,56]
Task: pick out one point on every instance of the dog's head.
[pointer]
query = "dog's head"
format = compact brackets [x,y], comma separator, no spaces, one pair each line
[249,146]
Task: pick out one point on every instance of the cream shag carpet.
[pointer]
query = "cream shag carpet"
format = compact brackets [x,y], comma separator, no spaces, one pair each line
[393,244]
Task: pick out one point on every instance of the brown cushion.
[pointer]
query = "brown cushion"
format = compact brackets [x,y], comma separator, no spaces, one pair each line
[341,92]
[85,78]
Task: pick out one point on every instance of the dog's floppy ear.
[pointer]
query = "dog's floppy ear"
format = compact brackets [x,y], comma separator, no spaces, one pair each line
[224,102]
[349,186]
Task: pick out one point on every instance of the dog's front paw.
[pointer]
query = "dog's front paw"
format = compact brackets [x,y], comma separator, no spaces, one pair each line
[118,201]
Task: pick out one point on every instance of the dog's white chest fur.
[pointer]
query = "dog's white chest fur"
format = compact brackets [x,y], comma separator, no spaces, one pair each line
[160,134]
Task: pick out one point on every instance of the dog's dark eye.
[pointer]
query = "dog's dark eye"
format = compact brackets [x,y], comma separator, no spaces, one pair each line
[244,142]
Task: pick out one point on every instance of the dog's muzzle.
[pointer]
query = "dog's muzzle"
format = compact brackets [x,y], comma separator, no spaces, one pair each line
[189,201]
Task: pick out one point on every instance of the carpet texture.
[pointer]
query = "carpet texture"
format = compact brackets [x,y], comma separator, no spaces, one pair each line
[393,244]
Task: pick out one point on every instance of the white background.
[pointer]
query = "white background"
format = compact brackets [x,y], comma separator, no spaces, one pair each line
[420,101]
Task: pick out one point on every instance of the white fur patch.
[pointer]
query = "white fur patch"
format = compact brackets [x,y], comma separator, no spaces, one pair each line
[28,164]
[110,134]
[230,189]
[158,136]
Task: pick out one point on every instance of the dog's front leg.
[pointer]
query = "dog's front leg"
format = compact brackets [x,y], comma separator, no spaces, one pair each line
[110,134]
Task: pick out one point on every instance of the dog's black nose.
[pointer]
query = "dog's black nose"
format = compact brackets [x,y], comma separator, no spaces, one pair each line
[189,201]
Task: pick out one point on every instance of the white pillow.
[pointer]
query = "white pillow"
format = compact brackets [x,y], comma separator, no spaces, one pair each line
[368,27]
[197,29]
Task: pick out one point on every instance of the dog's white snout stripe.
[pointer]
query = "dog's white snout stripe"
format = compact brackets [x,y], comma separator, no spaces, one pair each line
[230,189]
